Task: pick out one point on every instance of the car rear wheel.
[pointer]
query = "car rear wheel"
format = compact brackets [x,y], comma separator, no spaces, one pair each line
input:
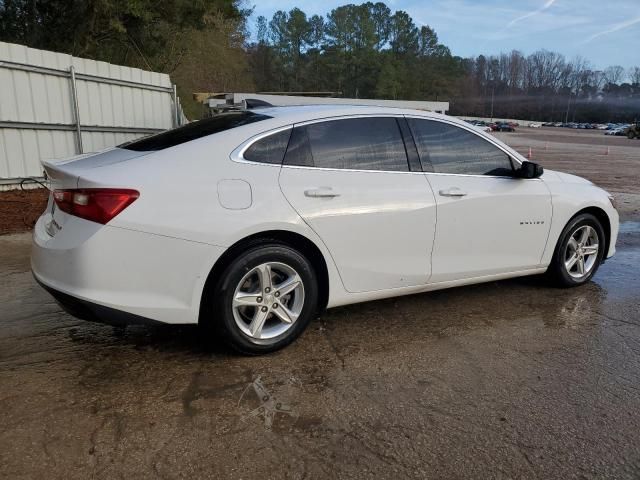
[579,252]
[265,299]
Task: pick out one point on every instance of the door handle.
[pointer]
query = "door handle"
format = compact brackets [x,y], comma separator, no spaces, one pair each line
[452,192]
[322,192]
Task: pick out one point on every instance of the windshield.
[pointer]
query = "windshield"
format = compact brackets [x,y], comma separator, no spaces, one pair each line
[194,130]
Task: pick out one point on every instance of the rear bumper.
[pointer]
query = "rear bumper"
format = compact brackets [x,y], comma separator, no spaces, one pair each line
[98,271]
[93,312]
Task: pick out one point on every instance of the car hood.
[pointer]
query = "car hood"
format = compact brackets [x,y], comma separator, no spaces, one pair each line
[565,177]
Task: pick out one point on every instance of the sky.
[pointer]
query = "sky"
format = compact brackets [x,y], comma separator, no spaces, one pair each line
[603,32]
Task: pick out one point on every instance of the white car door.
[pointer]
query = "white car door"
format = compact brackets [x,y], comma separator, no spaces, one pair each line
[489,221]
[349,180]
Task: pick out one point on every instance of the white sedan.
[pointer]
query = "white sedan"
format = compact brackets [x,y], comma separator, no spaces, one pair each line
[253,222]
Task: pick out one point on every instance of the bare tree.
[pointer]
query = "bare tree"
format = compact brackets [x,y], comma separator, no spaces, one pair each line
[614,74]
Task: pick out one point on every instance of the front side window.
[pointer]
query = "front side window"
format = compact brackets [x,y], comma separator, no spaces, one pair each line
[445,148]
[369,143]
[269,149]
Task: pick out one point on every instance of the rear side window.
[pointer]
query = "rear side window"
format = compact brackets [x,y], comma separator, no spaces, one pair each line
[445,148]
[354,143]
[193,131]
[269,149]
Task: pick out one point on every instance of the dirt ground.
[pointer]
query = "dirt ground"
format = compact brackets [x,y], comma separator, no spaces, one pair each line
[510,379]
[612,163]
[19,209]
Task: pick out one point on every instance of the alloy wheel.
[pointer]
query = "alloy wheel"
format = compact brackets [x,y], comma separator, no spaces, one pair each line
[581,252]
[267,301]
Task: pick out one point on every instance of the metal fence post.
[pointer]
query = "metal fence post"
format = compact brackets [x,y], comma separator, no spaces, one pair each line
[76,110]
[176,118]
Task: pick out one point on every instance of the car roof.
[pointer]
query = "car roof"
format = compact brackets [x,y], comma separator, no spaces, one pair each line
[302,113]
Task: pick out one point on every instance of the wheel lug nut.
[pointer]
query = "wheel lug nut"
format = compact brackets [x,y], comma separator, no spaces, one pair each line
[264,309]
[267,290]
[275,305]
[277,294]
[259,299]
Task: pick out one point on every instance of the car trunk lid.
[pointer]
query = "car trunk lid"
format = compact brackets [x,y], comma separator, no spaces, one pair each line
[68,174]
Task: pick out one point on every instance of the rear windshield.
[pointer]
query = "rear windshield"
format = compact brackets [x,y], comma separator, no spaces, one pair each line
[194,130]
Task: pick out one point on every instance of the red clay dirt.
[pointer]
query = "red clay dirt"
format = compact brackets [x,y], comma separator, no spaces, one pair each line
[19,209]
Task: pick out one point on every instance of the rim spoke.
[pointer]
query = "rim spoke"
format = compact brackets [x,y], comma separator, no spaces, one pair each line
[586,232]
[258,322]
[246,300]
[289,285]
[581,266]
[573,244]
[264,272]
[286,315]
[590,250]
[571,262]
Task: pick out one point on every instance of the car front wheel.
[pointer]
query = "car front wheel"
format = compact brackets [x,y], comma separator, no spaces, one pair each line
[265,299]
[579,251]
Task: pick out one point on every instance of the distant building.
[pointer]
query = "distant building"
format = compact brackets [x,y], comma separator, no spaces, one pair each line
[319,98]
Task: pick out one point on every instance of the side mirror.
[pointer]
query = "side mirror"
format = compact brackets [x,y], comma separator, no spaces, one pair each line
[529,170]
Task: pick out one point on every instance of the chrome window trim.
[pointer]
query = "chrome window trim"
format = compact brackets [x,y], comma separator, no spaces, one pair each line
[237,155]
[347,117]
[480,176]
[400,173]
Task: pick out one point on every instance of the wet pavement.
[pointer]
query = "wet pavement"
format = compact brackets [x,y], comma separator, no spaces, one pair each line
[503,380]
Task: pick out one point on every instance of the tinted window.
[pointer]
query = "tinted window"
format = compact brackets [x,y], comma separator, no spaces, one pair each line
[355,143]
[269,149]
[298,151]
[194,130]
[445,148]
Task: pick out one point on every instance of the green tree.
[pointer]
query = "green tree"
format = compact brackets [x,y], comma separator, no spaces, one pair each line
[141,33]
[403,34]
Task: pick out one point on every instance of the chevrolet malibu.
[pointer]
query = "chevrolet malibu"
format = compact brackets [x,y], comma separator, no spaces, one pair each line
[252,222]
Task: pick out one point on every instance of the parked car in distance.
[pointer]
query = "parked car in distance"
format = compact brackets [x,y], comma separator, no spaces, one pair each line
[251,223]
[503,127]
[618,131]
[535,125]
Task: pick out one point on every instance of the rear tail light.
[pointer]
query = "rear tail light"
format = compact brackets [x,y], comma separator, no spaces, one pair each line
[95,204]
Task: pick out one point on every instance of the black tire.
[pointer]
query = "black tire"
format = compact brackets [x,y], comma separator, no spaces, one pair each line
[220,315]
[557,270]
[631,134]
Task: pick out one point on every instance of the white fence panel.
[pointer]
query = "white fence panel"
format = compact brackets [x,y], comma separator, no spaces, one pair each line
[38,120]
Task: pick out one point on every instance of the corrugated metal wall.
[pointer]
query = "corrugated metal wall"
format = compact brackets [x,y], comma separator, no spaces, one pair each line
[38,116]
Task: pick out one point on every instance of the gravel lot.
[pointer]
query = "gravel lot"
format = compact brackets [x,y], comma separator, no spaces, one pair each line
[502,380]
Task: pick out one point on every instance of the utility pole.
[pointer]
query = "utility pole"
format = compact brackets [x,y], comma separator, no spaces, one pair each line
[493,91]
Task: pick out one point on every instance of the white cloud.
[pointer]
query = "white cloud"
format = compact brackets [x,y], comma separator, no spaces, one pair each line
[547,4]
[614,28]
